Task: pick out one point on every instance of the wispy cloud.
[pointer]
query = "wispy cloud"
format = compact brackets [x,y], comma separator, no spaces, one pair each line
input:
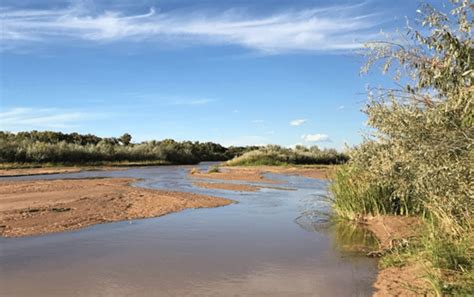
[190,101]
[316,138]
[258,122]
[332,28]
[298,122]
[22,118]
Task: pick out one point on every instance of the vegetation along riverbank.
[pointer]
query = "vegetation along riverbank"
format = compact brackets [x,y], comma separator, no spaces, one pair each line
[416,164]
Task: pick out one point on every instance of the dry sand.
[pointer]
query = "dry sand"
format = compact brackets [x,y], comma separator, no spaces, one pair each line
[38,171]
[310,172]
[39,207]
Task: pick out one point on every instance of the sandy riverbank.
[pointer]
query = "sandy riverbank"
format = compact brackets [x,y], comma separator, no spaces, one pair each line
[306,171]
[40,207]
[406,281]
[234,174]
[38,171]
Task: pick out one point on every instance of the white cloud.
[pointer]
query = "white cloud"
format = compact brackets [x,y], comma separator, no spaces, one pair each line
[298,122]
[316,138]
[333,28]
[258,121]
[341,107]
[21,118]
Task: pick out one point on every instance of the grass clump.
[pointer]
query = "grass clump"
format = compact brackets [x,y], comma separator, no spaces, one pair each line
[214,169]
[417,161]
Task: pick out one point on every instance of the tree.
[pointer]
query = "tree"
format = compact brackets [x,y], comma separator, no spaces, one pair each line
[125,139]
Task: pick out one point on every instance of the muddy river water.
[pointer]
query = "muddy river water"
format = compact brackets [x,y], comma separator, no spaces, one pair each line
[273,242]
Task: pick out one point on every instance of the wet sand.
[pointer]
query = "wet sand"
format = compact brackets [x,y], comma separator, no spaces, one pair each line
[227,186]
[40,207]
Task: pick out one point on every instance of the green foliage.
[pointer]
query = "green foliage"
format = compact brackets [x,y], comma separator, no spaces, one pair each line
[214,169]
[126,139]
[418,158]
[277,156]
[56,147]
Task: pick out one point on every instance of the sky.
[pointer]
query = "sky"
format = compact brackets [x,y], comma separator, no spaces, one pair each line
[239,72]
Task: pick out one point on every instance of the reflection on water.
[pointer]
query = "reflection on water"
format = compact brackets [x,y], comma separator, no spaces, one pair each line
[258,247]
[350,237]
[346,236]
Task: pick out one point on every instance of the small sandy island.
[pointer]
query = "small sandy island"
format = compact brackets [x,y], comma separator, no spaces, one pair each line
[233,173]
[227,186]
[39,207]
[255,173]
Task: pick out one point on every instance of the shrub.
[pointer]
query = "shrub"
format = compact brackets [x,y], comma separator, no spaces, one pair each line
[418,159]
[277,155]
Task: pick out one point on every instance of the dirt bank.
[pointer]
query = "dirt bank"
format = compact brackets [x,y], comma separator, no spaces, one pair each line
[407,281]
[39,207]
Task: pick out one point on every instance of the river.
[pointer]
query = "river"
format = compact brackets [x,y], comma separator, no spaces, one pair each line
[272,242]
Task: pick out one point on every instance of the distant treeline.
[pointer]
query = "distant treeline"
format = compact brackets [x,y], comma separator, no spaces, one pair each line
[74,148]
[277,155]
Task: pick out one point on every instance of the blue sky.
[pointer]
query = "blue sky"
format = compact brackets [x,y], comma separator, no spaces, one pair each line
[234,72]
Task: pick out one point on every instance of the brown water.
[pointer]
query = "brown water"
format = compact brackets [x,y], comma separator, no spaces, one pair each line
[271,243]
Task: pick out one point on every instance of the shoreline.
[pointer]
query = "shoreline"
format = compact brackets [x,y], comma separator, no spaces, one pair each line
[48,206]
[393,232]
[96,201]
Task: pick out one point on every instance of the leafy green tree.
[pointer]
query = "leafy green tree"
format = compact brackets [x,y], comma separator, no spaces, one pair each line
[126,139]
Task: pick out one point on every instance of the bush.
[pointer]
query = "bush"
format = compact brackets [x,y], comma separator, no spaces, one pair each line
[74,148]
[214,169]
[276,155]
[418,160]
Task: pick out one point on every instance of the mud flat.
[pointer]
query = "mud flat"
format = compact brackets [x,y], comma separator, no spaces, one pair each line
[46,206]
